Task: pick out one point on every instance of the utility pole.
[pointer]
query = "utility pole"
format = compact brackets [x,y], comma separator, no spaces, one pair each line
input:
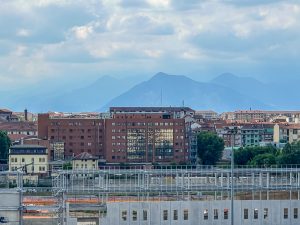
[232,187]
[233,133]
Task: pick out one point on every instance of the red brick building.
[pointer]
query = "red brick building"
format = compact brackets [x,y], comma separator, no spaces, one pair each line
[79,133]
[145,137]
[125,137]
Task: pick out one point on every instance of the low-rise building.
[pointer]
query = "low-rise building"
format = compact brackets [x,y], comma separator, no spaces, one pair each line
[32,159]
[19,130]
[207,114]
[85,161]
[5,114]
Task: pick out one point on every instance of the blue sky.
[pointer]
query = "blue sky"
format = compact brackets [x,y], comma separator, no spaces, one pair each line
[86,39]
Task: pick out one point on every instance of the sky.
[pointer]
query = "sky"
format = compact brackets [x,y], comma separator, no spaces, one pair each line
[67,40]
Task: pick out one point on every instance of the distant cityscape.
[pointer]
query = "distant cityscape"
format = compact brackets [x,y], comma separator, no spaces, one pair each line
[142,135]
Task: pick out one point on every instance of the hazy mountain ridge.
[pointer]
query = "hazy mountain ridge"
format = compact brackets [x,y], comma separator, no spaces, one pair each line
[173,90]
[224,93]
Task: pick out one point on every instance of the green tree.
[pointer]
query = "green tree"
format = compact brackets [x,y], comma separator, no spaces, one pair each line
[266,159]
[67,166]
[209,148]
[244,156]
[4,147]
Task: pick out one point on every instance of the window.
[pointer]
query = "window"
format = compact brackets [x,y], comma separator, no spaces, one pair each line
[134,215]
[12,159]
[124,215]
[216,215]
[295,213]
[285,213]
[246,214]
[226,214]
[165,215]
[266,213]
[23,160]
[175,215]
[145,215]
[255,215]
[205,214]
[185,214]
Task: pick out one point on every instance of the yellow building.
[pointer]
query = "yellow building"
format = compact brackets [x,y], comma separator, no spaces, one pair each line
[32,159]
[85,161]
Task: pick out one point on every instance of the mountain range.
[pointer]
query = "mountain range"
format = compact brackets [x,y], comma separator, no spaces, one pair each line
[226,92]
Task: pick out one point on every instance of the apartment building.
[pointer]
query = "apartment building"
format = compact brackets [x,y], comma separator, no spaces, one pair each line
[245,134]
[260,115]
[126,136]
[286,133]
[230,133]
[175,112]
[146,137]
[207,114]
[77,132]
[257,134]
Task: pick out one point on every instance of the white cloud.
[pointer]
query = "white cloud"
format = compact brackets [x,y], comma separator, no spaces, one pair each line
[153,32]
[19,51]
[23,32]
[153,53]
[159,3]
[82,32]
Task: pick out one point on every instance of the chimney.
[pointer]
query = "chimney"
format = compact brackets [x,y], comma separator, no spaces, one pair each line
[26,114]
[22,141]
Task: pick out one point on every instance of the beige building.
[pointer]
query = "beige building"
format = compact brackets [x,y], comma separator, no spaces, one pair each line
[32,159]
[286,133]
[85,161]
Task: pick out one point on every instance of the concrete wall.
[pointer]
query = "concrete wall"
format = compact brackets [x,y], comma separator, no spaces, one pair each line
[9,207]
[40,221]
[155,213]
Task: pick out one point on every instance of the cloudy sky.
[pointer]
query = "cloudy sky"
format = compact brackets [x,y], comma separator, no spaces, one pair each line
[86,39]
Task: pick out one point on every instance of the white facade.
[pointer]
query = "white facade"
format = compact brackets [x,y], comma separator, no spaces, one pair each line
[265,212]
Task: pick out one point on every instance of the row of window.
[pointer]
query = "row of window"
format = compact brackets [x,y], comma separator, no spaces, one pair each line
[144,124]
[85,166]
[41,168]
[92,123]
[73,137]
[175,217]
[216,215]
[15,160]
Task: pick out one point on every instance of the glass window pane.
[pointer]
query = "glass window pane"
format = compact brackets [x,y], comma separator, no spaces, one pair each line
[285,213]
[216,215]
[185,214]
[175,215]
[246,214]
[266,213]
[205,214]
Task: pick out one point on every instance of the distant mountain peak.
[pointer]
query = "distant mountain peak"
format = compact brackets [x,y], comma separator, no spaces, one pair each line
[161,74]
[165,89]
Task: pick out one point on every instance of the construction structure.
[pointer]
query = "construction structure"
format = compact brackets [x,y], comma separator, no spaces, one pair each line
[172,195]
[156,195]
